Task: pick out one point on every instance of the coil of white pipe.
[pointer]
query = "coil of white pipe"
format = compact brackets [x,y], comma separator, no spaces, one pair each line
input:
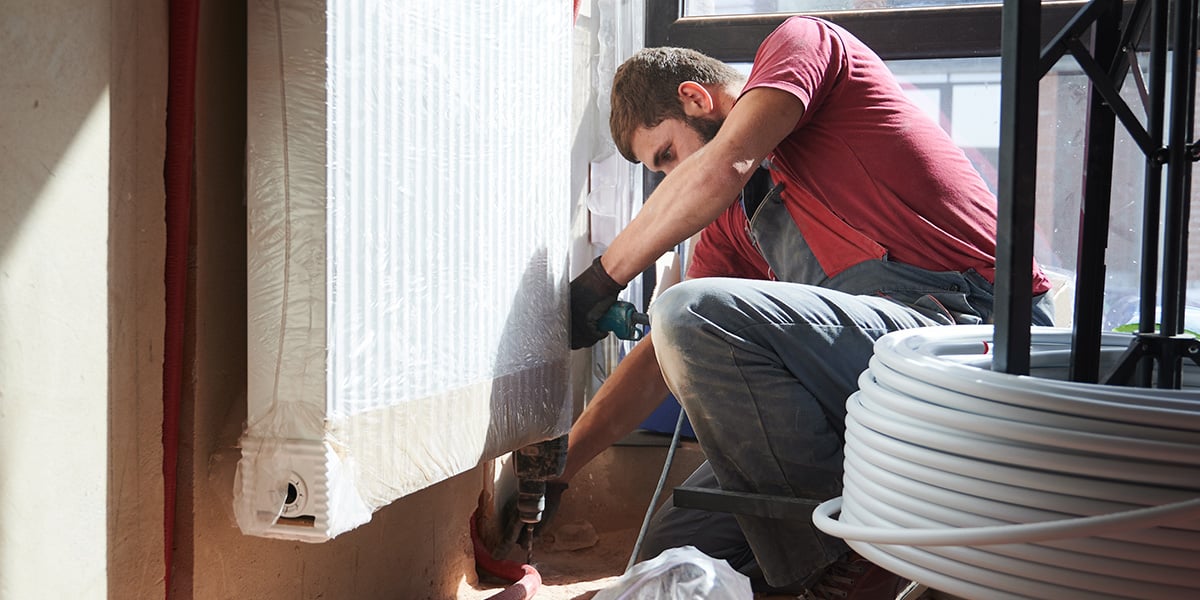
[987,485]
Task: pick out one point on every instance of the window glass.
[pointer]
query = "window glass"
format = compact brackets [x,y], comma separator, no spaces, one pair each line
[963,95]
[699,8]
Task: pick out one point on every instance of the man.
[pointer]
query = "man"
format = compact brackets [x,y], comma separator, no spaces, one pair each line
[876,222]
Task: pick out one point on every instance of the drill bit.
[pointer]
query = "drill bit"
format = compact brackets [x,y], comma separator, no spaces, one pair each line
[529,544]
[534,464]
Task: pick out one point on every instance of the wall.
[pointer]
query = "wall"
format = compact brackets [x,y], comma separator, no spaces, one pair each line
[417,547]
[81,107]
[137,238]
[82,113]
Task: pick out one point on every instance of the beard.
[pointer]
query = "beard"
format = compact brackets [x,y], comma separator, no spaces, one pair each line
[707,128]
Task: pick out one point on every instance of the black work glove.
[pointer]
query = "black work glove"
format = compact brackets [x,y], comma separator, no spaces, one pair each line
[592,293]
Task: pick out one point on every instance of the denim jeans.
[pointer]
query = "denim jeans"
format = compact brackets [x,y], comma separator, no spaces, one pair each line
[763,369]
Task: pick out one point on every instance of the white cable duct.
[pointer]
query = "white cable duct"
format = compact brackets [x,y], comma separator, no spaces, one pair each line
[989,485]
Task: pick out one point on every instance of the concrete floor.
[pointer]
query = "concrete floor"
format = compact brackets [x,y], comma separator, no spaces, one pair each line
[609,497]
[577,574]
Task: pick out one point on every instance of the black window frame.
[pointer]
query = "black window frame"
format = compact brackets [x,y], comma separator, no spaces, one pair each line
[927,32]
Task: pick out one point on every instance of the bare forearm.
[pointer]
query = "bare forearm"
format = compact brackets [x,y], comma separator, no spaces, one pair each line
[690,198]
[704,184]
[623,402]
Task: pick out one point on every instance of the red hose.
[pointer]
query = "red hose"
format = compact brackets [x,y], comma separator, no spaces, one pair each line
[526,580]
[177,175]
[523,589]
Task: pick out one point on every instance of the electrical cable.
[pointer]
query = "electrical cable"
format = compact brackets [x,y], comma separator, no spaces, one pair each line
[179,179]
[662,481]
[984,484]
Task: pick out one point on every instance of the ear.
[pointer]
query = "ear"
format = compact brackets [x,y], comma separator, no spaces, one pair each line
[697,102]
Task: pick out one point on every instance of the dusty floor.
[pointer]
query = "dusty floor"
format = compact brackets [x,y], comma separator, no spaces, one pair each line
[608,501]
[567,575]
[575,575]
[609,497]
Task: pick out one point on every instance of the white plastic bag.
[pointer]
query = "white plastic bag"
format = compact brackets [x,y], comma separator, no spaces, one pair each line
[680,574]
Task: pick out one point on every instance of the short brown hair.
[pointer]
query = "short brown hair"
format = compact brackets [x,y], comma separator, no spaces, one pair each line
[645,89]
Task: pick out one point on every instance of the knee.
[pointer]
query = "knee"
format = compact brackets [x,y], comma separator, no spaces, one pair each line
[679,313]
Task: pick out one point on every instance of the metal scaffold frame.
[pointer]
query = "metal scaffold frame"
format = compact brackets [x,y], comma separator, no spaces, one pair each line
[1108,54]
[1155,356]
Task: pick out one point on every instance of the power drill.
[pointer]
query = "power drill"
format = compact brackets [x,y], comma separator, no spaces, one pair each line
[538,463]
[623,320]
[534,465]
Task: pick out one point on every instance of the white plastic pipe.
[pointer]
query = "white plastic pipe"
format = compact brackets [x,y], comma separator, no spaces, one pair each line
[989,485]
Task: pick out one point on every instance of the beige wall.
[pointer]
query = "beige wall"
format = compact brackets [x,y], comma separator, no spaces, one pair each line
[80,298]
[137,238]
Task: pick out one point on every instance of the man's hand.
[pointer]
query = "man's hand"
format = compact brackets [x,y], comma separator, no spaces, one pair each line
[592,293]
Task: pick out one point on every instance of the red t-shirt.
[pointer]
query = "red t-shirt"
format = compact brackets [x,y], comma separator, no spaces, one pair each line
[866,173]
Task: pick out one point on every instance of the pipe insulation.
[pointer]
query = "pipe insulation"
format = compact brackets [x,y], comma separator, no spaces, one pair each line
[988,485]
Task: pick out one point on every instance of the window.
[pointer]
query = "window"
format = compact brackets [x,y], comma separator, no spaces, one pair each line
[946,53]
[696,8]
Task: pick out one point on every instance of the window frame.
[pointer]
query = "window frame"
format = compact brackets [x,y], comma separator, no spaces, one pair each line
[927,32]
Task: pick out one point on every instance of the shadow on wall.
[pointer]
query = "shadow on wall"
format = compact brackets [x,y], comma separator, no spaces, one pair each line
[533,328]
[74,103]
[48,94]
[530,399]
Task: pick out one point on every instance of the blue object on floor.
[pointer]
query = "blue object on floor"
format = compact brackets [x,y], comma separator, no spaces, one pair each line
[662,420]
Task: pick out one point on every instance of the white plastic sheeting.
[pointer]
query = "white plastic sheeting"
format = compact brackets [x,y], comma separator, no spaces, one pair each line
[409,215]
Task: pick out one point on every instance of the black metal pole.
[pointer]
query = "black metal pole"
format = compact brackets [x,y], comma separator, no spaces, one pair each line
[1020,43]
[1179,166]
[1130,39]
[1097,196]
[1152,206]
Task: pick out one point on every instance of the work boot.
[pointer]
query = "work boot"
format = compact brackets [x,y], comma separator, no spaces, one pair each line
[853,577]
